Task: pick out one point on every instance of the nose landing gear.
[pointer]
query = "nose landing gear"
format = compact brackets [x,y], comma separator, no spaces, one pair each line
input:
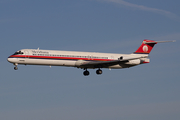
[15,68]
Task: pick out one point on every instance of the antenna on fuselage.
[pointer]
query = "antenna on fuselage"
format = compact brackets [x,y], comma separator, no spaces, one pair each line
[38,48]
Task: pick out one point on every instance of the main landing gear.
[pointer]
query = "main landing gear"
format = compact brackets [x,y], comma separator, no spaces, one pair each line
[86,72]
[99,71]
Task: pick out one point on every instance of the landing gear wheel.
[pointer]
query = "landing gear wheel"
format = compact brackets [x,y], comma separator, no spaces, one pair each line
[99,71]
[15,68]
[86,73]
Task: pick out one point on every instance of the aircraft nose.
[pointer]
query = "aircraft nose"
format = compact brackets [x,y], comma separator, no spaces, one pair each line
[11,60]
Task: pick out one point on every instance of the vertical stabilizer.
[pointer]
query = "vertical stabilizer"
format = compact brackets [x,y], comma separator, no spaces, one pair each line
[146,47]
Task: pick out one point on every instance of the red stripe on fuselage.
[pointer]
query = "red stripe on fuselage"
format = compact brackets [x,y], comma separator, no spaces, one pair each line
[57,58]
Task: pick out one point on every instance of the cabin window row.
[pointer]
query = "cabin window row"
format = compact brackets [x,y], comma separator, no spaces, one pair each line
[70,56]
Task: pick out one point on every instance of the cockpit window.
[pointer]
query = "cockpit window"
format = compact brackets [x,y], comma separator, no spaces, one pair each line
[18,52]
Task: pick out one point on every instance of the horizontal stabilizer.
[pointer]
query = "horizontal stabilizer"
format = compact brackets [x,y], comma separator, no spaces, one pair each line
[155,42]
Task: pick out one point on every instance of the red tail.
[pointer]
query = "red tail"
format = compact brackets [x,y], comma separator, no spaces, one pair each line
[146,47]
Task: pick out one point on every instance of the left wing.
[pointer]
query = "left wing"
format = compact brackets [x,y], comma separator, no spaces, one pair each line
[103,64]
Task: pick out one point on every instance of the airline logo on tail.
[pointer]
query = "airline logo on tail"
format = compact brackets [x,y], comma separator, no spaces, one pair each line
[145,48]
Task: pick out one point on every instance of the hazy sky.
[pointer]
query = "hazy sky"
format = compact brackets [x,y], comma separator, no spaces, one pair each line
[145,92]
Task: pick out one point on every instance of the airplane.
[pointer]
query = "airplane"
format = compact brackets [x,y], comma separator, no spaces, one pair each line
[84,60]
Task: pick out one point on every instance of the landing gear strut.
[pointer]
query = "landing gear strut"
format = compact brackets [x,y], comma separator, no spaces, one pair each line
[99,71]
[15,68]
[86,73]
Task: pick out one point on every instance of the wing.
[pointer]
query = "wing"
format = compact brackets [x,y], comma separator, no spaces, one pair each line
[105,64]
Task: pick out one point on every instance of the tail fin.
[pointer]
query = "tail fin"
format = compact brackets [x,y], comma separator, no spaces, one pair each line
[147,46]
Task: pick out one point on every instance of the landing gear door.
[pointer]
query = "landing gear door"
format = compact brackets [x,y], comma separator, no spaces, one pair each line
[26,54]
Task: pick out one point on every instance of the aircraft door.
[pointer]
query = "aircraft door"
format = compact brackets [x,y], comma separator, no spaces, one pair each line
[26,54]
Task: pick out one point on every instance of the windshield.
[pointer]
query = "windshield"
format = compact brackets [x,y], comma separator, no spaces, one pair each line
[18,52]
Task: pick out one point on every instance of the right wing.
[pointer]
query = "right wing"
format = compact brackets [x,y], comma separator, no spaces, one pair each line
[104,64]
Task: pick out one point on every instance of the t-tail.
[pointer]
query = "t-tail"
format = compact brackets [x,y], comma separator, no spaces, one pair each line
[147,46]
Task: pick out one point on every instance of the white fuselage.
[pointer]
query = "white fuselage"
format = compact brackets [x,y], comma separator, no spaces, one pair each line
[71,58]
